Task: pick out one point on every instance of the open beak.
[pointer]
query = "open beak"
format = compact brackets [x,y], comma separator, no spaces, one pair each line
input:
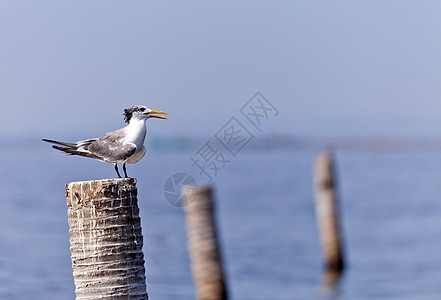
[151,114]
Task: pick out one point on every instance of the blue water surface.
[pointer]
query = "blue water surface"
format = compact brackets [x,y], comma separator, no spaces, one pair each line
[390,208]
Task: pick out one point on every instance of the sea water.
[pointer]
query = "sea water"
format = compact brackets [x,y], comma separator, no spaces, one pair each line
[390,213]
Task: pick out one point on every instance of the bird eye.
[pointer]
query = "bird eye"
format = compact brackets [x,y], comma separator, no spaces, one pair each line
[142,109]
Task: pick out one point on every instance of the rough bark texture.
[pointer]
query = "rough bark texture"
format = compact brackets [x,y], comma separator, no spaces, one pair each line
[327,212]
[203,245]
[106,239]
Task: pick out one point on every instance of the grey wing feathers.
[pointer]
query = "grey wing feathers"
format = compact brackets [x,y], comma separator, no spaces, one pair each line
[110,147]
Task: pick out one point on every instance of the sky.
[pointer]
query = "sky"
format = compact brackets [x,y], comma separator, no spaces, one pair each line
[331,68]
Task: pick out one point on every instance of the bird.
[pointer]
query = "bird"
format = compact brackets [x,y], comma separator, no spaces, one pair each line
[124,146]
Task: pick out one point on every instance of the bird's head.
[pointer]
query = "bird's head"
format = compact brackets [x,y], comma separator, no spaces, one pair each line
[142,113]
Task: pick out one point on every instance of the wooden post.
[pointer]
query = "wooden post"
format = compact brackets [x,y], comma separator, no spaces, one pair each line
[331,279]
[327,213]
[203,245]
[106,239]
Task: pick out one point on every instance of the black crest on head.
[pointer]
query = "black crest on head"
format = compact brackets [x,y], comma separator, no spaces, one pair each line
[128,112]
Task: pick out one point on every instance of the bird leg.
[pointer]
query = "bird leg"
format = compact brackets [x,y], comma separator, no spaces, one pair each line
[116,169]
[125,171]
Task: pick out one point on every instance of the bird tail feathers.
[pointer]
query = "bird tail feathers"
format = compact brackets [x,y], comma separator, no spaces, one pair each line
[64,144]
[74,149]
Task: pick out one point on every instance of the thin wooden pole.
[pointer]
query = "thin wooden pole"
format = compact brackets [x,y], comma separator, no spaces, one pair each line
[106,239]
[327,212]
[203,245]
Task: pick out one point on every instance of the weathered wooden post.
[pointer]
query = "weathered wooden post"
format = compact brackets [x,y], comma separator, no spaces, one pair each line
[203,245]
[327,212]
[106,239]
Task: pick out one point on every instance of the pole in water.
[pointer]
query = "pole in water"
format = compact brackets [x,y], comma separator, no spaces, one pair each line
[203,244]
[106,239]
[327,212]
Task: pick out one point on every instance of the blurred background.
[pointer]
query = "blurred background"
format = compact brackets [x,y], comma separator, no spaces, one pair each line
[360,76]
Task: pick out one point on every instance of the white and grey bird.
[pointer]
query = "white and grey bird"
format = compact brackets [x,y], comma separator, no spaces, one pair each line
[124,146]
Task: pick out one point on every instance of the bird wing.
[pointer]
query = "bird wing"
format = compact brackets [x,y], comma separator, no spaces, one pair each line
[111,147]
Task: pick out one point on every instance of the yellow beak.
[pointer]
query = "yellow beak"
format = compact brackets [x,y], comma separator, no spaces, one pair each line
[156,112]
